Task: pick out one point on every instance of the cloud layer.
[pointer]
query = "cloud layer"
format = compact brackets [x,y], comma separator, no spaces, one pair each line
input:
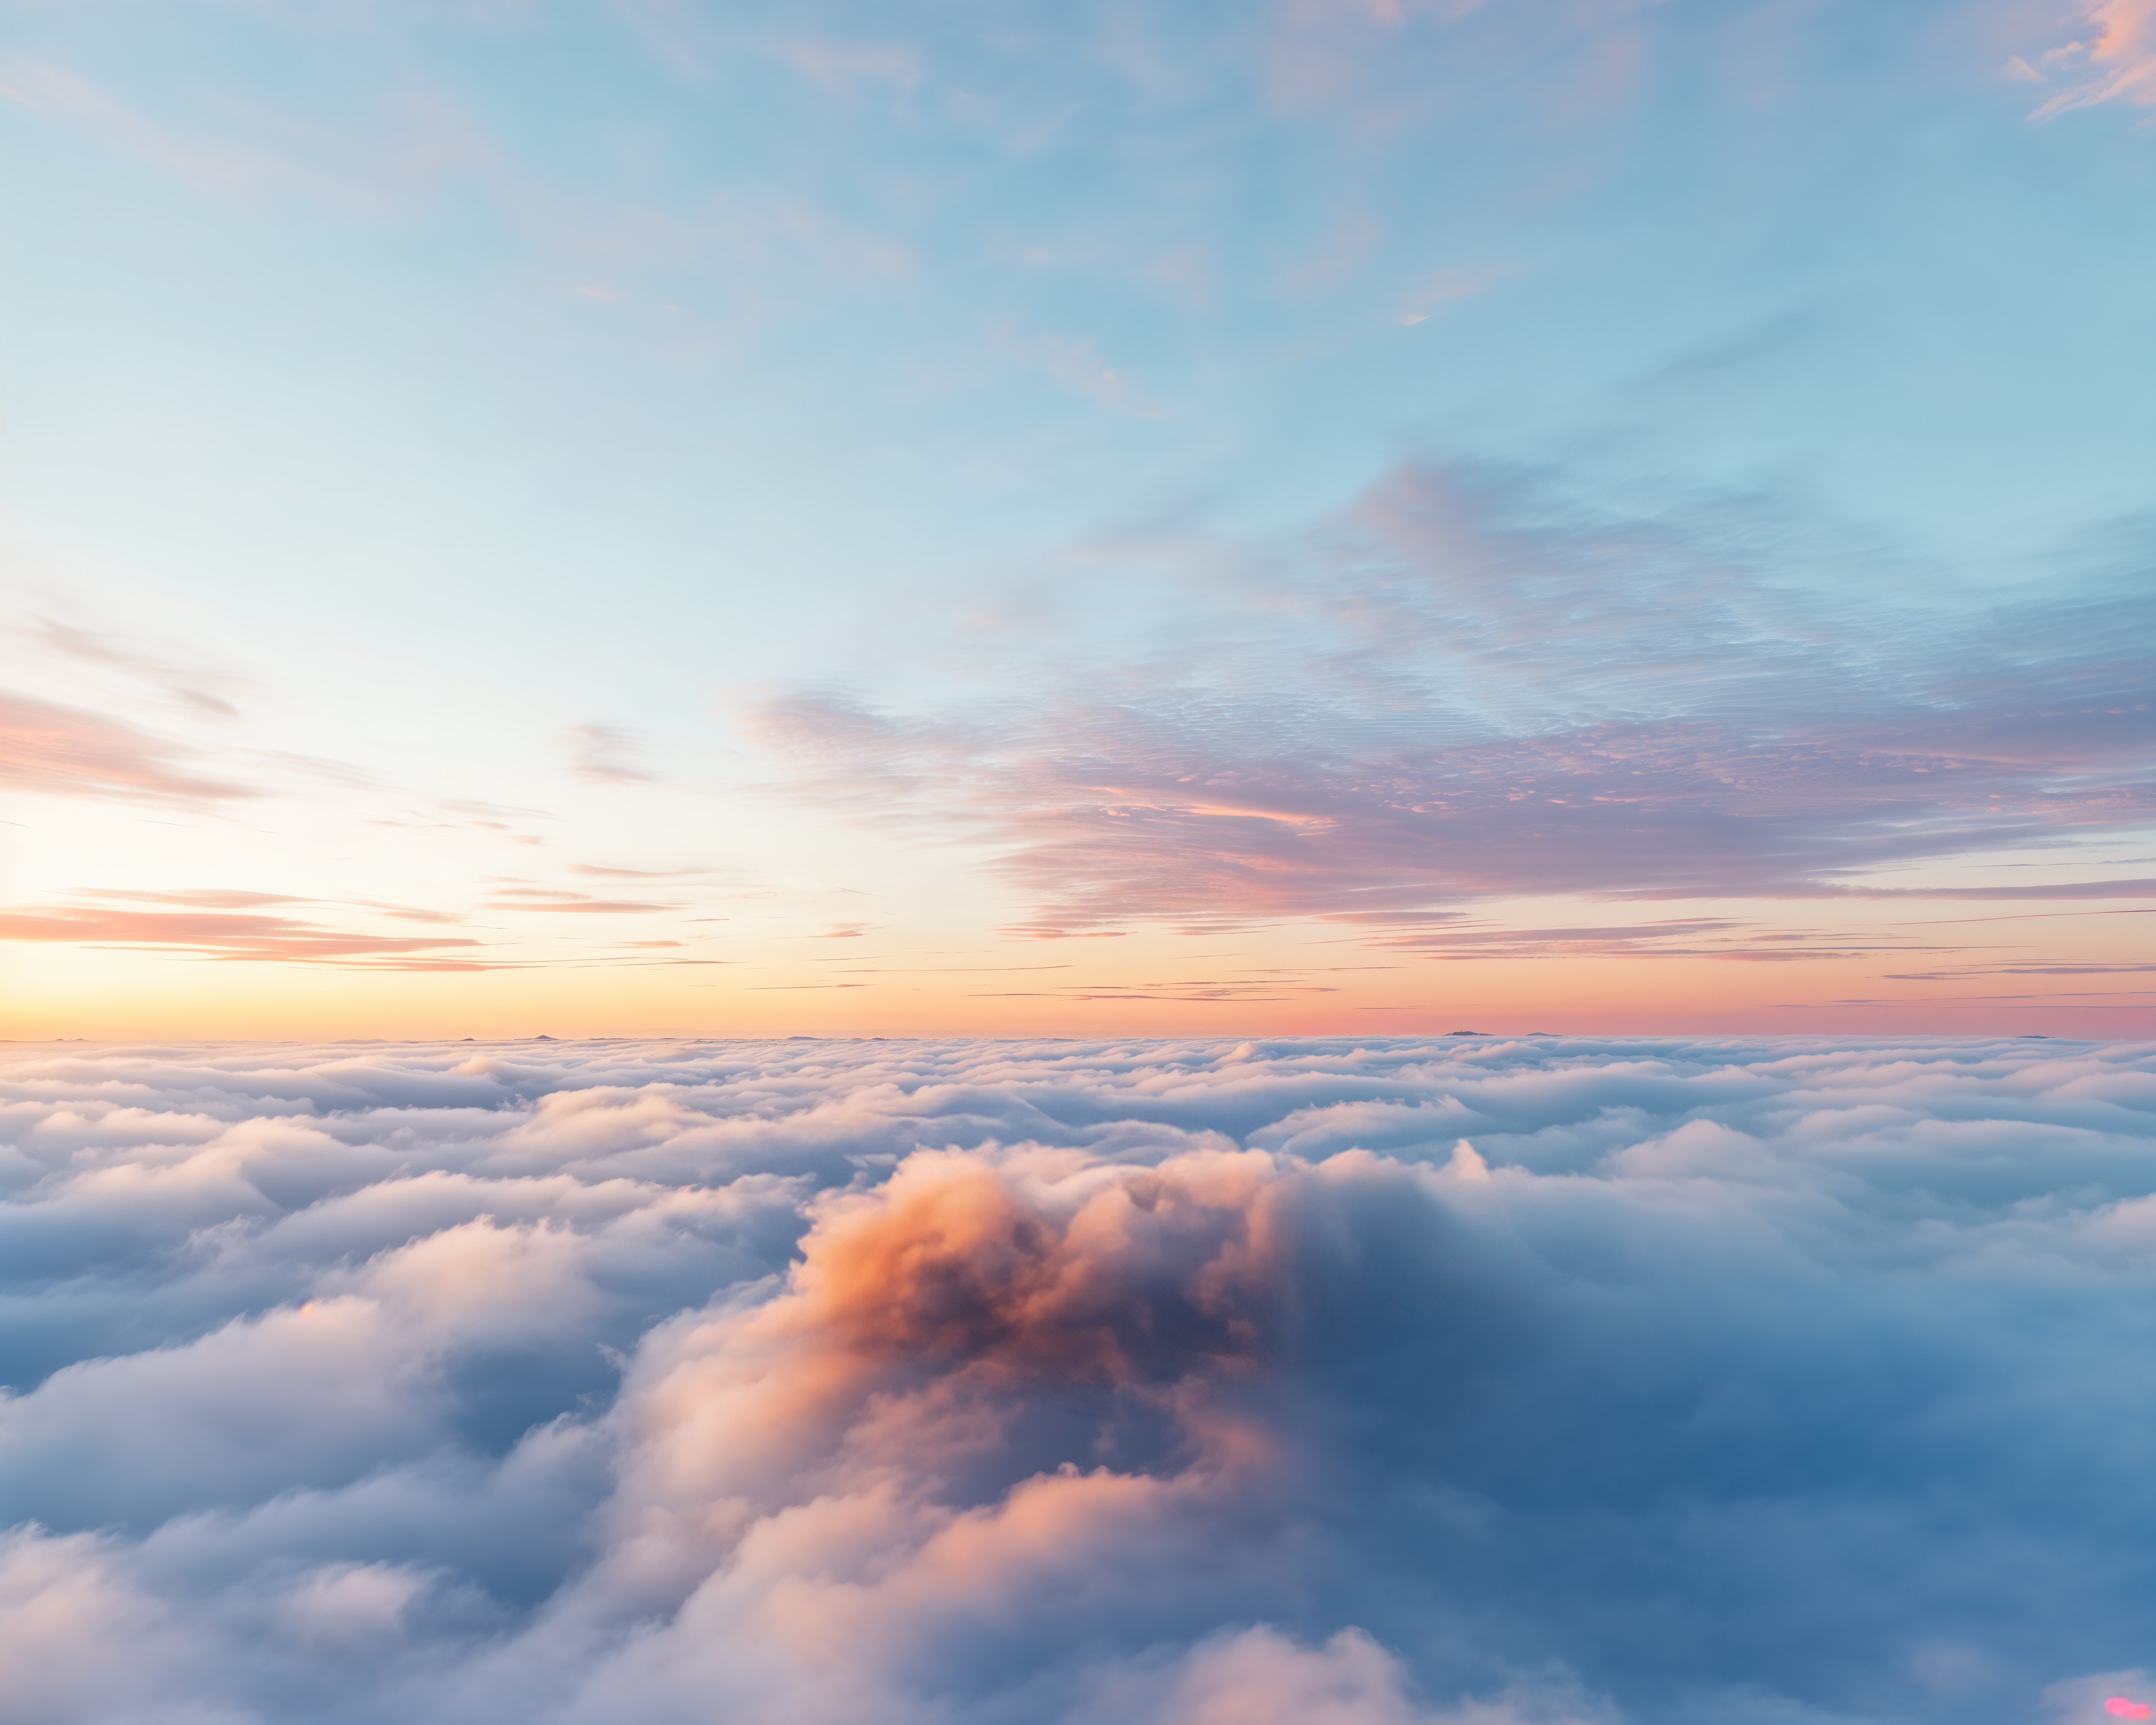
[1377,1383]
[1460,687]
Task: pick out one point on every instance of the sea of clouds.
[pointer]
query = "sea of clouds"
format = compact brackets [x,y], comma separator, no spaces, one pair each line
[1485,1380]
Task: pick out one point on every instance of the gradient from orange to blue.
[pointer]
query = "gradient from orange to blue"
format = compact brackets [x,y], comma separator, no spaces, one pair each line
[663,519]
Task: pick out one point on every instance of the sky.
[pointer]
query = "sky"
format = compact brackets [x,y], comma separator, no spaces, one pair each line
[1301,1381]
[1118,519]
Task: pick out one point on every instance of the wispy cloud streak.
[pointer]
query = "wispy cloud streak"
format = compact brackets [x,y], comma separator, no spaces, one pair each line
[52,750]
[231,934]
[1440,695]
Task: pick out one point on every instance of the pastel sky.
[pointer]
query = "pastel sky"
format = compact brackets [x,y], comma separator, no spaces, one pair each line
[1097,519]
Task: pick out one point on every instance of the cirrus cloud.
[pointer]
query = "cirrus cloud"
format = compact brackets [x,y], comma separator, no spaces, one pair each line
[51,750]
[1458,689]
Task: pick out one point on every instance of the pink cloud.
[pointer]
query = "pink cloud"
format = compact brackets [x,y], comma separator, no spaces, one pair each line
[1075,363]
[1387,66]
[54,751]
[846,67]
[1443,286]
[1434,697]
[604,754]
[252,149]
[564,902]
[185,684]
[2115,62]
[200,898]
[212,935]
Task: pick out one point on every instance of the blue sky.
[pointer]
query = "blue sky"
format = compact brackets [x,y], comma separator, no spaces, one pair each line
[442,382]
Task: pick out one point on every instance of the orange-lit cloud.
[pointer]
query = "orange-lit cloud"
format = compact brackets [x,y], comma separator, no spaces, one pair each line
[2115,62]
[232,936]
[955,1262]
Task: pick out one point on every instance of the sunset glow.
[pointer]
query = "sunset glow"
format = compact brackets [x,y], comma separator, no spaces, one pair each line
[637,519]
[1078,862]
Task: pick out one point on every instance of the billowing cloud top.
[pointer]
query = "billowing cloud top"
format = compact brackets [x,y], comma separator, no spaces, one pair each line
[1380,1383]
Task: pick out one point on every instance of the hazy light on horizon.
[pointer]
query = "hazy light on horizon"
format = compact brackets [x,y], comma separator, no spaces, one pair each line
[1125,520]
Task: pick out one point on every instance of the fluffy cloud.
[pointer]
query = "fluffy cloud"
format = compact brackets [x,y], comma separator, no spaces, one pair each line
[1467,1383]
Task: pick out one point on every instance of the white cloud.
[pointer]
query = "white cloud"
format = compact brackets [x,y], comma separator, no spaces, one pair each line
[1476,1382]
